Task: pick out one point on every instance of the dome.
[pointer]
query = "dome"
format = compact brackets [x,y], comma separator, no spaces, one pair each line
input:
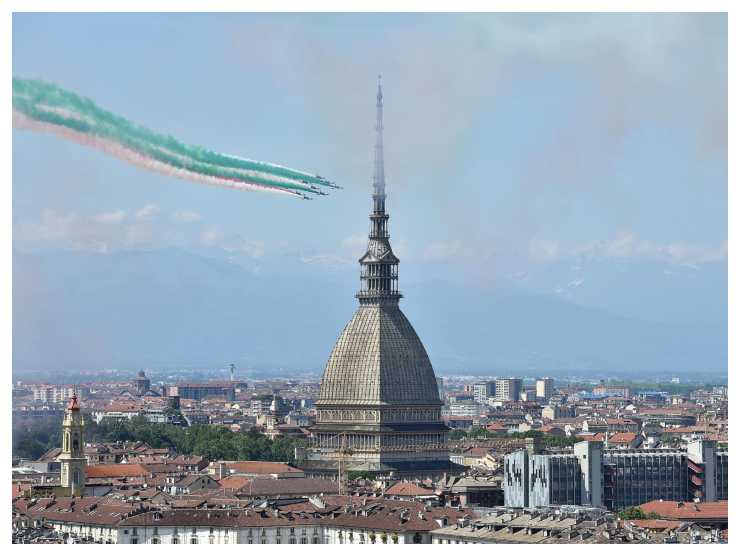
[378,360]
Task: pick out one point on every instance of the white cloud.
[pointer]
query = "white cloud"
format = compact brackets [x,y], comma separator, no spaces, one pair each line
[544,250]
[327,260]
[212,236]
[186,216]
[355,242]
[99,233]
[147,212]
[236,244]
[442,251]
[627,246]
[110,217]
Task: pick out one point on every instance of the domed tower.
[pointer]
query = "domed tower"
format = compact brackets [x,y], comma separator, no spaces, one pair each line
[379,408]
[72,457]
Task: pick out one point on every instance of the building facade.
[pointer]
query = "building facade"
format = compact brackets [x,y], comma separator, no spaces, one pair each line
[615,478]
[508,389]
[544,388]
[484,390]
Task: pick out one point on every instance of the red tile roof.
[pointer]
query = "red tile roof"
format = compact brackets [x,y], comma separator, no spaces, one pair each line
[658,524]
[622,438]
[260,467]
[687,511]
[116,470]
[408,489]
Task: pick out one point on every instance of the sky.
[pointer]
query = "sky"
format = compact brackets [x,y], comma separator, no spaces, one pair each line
[580,158]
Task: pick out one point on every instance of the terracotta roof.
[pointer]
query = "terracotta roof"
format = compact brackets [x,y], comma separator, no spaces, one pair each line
[687,511]
[267,487]
[659,524]
[260,467]
[408,489]
[116,470]
[622,437]
[235,482]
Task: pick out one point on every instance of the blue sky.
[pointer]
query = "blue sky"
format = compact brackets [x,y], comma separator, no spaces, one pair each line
[577,156]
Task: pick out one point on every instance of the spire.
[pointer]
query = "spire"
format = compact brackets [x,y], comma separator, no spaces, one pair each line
[379,166]
[379,266]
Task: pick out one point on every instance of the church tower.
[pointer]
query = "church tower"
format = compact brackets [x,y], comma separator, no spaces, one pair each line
[379,409]
[72,457]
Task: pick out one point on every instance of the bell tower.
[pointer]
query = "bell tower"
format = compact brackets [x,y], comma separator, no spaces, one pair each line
[72,457]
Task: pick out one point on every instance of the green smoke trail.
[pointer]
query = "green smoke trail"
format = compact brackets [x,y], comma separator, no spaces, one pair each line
[48,103]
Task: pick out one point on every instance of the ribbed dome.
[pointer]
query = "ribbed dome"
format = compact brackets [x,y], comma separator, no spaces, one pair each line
[377,360]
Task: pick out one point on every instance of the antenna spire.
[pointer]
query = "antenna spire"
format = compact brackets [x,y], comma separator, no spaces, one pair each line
[379,266]
[379,168]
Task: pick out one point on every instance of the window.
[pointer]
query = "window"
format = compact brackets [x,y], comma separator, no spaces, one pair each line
[292,540]
[175,540]
[304,540]
[315,540]
[155,541]
[194,540]
[134,540]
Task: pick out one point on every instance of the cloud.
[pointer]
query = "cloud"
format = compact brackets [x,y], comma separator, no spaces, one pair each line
[110,217]
[441,251]
[235,244]
[147,212]
[99,233]
[544,250]
[356,243]
[627,246]
[186,216]
[328,261]
[443,72]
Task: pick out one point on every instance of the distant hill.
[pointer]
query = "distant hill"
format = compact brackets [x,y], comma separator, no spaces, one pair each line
[172,307]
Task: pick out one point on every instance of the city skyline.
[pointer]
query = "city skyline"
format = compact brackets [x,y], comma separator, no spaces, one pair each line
[527,345]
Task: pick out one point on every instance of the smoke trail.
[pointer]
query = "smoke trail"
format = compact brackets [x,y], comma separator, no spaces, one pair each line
[41,106]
